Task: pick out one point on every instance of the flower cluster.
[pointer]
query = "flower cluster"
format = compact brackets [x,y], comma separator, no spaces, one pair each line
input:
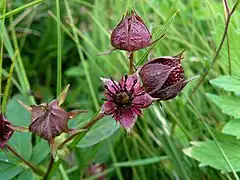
[159,79]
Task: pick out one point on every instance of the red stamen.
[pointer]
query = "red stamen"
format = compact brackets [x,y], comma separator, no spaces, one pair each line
[125,82]
[115,88]
[134,83]
[106,87]
[115,85]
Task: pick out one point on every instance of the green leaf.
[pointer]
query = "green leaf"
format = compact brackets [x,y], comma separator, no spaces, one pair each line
[209,154]
[27,174]
[100,131]
[232,128]
[75,71]
[234,38]
[19,9]
[17,115]
[40,151]
[9,170]
[228,104]
[228,83]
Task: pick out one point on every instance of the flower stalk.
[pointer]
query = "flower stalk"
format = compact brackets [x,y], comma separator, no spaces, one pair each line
[34,168]
[87,127]
[77,137]
[50,165]
[131,63]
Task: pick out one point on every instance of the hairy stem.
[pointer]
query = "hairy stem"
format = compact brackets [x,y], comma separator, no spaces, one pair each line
[34,168]
[229,15]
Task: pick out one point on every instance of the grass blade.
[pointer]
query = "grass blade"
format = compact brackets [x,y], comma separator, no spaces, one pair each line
[19,9]
[59,50]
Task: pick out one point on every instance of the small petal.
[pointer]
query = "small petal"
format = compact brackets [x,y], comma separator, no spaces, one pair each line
[111,84]
[74,113]
[170,92]
[128,119]
[143,101]
[137,111]
[132,82]
[53,147]
[61,98]
[108,108]
[25,106]
[19,128]
[154,75]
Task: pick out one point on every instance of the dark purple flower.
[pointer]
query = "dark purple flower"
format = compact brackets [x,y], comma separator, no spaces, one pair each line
[124,100]
[5,131]
[131,33]
[96,169]
[163,77]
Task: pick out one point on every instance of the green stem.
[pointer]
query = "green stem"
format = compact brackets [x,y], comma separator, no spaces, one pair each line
[34,168]
[19,65]
[83,61]
[131,63]
[76,138]
[214,138]
[59,43]
[50,165]
[17,10]
[87,126]
[7,88]
[229,15]
[1,50]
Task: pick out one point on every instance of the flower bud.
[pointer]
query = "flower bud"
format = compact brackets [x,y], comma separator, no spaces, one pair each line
[163,77]
[131,33]
[5,131]
[50,120]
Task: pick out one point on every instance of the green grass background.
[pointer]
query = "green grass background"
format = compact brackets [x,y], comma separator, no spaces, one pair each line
[40,38]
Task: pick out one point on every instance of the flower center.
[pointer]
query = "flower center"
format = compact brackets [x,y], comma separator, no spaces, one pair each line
[123,99]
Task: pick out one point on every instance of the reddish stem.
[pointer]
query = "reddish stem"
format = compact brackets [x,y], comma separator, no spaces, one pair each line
[34,168]
[50,165]
[229,15]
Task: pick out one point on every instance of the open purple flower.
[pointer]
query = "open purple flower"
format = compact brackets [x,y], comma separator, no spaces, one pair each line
[5,131]
[124,100]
